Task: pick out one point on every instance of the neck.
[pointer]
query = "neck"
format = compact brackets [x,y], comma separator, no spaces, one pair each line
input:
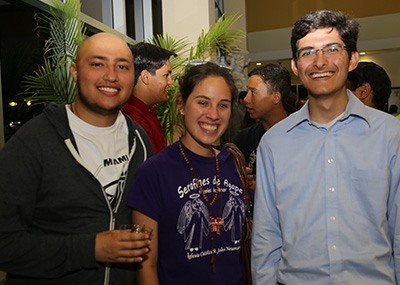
[92,118]
[142,94]
[273,118]
[324,110]
[197,148]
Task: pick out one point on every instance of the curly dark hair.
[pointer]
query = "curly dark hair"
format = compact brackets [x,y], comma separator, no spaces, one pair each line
[348,28]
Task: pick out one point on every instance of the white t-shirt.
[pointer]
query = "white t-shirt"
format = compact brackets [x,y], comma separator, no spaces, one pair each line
[104,150]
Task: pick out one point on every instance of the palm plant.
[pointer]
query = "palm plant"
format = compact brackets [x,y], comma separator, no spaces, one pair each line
[53,82]
[219,40]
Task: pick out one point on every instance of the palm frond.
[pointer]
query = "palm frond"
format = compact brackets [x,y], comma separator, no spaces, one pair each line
[218,40]
[179,46]
[66,31]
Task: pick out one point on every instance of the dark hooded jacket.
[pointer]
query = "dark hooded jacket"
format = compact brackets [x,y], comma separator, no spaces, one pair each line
[52,207]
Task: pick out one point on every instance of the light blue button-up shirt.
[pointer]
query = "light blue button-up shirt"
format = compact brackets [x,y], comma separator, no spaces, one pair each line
[327,203]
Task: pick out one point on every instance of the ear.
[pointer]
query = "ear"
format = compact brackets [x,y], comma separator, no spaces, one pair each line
[74,72]
[277,97]
[294,67]
[354,59]
[363,91]
[145,77]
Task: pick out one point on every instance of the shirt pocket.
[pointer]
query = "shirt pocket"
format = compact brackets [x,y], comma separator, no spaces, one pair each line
[369,194]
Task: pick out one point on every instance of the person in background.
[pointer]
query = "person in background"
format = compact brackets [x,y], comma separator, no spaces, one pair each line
[328,180]
[152,80]
[393,110]
[300,103]
[191,193]
[371,84]
[63,180]
[247,120]
[268,101]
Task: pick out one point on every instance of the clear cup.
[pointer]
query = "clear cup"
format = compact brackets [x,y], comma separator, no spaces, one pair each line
[137,229]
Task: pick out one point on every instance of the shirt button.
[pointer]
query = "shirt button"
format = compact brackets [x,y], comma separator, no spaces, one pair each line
[333,247]
[335,277]
[331,189]
[332,218]
[330,160]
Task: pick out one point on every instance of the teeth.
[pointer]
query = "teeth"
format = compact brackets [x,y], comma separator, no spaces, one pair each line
[209,127]
[108,89]
[319,75]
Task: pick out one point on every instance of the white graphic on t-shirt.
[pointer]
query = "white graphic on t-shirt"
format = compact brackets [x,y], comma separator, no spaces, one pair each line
[114,189]
[233,216]
[194,222]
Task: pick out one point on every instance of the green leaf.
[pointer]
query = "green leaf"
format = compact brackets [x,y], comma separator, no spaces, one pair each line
[220,39]
[65,30]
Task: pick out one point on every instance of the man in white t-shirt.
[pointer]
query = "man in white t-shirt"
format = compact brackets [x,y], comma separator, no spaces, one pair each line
[64,177]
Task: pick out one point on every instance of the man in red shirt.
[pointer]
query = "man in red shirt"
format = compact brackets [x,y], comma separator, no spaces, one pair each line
[152,79]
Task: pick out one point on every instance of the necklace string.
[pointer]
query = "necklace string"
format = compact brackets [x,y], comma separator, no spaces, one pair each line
[203,193]
[215,223]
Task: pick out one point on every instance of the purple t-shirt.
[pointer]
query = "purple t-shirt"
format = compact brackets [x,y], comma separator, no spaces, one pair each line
[166,191]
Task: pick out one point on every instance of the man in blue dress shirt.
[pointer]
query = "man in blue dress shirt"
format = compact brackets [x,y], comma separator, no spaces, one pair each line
[327,207]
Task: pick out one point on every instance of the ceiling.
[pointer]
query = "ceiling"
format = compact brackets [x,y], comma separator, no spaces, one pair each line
[379,37]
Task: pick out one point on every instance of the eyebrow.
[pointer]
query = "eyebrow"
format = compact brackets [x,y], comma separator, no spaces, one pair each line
[310,47]
[120,59]
[209,99]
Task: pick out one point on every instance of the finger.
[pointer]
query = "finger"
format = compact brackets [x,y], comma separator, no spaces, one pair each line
[132,255]
[127,235]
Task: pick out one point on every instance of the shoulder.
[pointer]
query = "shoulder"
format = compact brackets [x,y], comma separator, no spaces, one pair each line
[168,156]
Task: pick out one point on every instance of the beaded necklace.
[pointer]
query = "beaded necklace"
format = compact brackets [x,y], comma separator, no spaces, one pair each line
[215,223]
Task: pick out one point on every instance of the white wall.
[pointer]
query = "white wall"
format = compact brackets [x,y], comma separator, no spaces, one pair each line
[238,8]
[379,36]
[186,19]
[390,60]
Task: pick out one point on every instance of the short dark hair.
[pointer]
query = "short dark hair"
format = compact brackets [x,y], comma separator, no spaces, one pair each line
[277,79]
[195,74]
[149,57]
[376,77]
[347,28]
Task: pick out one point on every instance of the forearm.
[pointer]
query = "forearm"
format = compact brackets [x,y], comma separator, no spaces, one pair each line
[147,275]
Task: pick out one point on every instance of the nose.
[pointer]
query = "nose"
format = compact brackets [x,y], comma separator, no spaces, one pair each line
[320,59]
[246,99]
[110,74]
[212,112]
[170,81]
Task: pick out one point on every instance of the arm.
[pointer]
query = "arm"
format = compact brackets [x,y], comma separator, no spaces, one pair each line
[24,250]
[394,209]
[147,274]
[251,179]
[266,234]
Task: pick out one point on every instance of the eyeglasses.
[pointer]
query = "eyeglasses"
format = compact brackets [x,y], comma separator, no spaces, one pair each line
[330,51]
